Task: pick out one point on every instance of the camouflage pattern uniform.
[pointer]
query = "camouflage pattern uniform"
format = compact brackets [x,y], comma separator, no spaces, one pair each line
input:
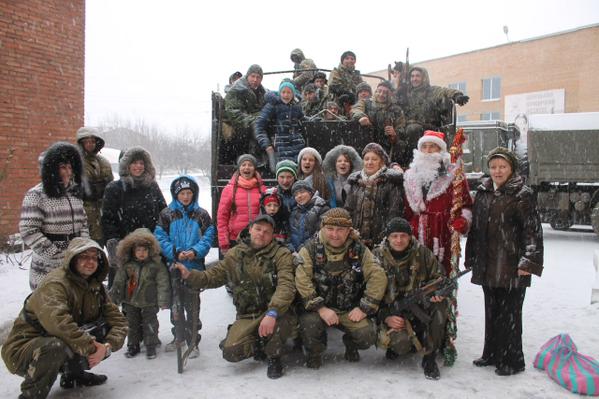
[342,81]
[340,279]
[417,268]
[300,79]
[97,174]
[261,280]
[382,115]
[47,331]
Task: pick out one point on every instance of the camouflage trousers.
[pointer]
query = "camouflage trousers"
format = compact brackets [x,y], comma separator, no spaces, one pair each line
[39,362]
[242,340]
[424,338]
[143,324]
[361,335]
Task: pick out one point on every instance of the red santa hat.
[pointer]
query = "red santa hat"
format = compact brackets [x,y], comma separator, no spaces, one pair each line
[431,136]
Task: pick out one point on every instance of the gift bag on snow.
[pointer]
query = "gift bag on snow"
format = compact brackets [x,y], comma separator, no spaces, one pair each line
[574,371]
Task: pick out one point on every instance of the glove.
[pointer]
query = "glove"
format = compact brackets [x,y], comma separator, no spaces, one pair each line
[460,224]
[272,161]
[461,99]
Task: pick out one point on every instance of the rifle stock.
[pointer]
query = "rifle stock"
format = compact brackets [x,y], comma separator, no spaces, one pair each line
[178,317]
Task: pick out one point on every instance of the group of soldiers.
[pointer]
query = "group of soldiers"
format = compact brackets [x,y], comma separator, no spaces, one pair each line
[397,111]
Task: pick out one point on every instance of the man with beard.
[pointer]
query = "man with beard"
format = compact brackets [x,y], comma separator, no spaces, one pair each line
[429,191]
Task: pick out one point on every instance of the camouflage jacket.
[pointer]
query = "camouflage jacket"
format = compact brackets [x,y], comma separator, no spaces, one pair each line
[348,277]
[417,268]
[261,279]
[63,302]
[96,168]
[242,104]
[343,81]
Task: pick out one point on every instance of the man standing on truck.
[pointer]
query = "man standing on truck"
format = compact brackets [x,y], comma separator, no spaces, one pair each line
[243,103]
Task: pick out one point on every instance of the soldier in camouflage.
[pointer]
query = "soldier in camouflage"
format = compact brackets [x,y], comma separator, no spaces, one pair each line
[243,103]
[260,273]
[341,284]
[386,121]
[428,107]
[311,103]
[301,77]
[409,265]
[344,79]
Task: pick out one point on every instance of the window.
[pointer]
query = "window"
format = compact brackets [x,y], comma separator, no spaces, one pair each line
[461,86]
[491,88]
[461,118]
[490,116]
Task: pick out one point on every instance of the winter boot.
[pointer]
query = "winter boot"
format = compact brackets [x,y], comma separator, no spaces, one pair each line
[90,379]
[66,381]
[313,361]
[507,370]
[429,364]
[482,362]
[150,352]
[390,354]
[133,350]
[171,346]
[275,368]
[351,352]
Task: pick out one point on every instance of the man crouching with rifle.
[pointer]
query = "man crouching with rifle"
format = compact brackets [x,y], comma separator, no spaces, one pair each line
[67,324]
[410,318]
[260,271]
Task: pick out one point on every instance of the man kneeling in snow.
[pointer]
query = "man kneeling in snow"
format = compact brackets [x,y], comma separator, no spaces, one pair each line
[260,272]
[51,332]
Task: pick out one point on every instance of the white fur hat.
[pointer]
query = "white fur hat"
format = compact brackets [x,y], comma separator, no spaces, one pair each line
[431,136]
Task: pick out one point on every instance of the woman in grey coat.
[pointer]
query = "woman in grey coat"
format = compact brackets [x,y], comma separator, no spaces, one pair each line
[338,164]
[504,247]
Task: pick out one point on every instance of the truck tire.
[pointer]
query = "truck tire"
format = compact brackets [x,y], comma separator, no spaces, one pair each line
[595,219]
[561,223]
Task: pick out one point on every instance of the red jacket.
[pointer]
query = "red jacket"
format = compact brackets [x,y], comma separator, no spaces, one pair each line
[231,221]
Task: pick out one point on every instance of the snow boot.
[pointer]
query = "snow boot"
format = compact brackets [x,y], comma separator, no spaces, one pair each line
[506,370]
[390,354]
[132,351]
[482,362]
[275,368]
[150,352]
[171,346]
[85,379]
[429,364]
[351,352]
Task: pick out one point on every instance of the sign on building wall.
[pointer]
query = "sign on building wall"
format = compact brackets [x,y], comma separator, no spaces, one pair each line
[538,102]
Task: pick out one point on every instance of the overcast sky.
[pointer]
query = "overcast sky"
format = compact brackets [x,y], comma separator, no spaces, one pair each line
[160,60]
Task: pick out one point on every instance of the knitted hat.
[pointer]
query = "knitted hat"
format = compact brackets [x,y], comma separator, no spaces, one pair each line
[336,217]
[363,86]
[502,152]
[254,68]
[310,88]
[386,84]
[347,54]
[288,84]
[311,151]
[302,185]
[246,157]
[265,218]
[431,136]
[378,150]
[287,165]
[398,225]
[270,195]
[183,183]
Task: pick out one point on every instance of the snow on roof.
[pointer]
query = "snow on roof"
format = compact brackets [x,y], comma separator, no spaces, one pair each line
[568,121]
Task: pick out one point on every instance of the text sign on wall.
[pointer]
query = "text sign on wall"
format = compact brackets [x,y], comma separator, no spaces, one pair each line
[538,102]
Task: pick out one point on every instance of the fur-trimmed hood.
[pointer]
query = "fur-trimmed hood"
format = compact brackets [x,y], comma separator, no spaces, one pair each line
[57,153]
[141,236]
[330,159]
[87,132]
[131,155]
[79,245]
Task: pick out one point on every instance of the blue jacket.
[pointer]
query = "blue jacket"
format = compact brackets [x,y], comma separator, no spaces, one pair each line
[288,130]
[185,228]
[305,221]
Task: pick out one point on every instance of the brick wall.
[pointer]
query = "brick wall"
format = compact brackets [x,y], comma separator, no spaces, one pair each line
[41,81]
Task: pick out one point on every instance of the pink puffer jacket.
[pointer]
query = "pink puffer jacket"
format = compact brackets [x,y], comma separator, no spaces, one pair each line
[230,220]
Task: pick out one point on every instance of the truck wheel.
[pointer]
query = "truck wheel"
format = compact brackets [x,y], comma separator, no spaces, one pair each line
[560,223]
[595,219]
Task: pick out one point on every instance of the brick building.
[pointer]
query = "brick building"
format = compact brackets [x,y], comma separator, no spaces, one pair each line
[548,74]
[41,81]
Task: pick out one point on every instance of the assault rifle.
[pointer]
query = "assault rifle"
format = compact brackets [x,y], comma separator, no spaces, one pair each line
[419,298]
[178,313]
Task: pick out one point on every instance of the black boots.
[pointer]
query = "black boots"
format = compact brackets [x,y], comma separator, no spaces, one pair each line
[313,361]
[483,362]
[85,379]
[506,370]
[429,364]
[133,350]
[275,368]
[390,354]
[150,352]
[351,352]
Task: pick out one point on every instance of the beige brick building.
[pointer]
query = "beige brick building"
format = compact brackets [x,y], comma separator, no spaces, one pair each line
[549,74]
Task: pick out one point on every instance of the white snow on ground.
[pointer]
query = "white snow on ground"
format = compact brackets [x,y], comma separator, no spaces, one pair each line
[558,302]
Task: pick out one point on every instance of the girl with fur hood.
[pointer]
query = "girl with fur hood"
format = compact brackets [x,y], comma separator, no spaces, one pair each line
[52,213]
[375,195]
[141,285]
[338,164]
[304,221]
[132,202]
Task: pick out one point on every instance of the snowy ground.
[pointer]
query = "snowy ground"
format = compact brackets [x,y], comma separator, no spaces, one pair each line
[558,302]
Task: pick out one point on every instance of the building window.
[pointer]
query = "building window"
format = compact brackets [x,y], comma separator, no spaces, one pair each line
[461,118]
[490,116]
[461,86]
[491,88]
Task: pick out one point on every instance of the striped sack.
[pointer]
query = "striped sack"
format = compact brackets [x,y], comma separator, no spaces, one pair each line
[574,371]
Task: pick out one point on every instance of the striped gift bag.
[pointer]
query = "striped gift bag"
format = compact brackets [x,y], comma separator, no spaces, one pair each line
[574,371]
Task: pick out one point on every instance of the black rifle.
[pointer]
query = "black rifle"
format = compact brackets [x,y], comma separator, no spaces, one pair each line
[178,314]
[419,298]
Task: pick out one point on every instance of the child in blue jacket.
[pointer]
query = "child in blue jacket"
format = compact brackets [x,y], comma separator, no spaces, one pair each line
[185,232]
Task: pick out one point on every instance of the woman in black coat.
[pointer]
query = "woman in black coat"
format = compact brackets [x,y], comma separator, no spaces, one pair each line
[504,247]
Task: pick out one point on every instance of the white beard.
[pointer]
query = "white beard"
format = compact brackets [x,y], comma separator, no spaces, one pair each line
[425,166]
